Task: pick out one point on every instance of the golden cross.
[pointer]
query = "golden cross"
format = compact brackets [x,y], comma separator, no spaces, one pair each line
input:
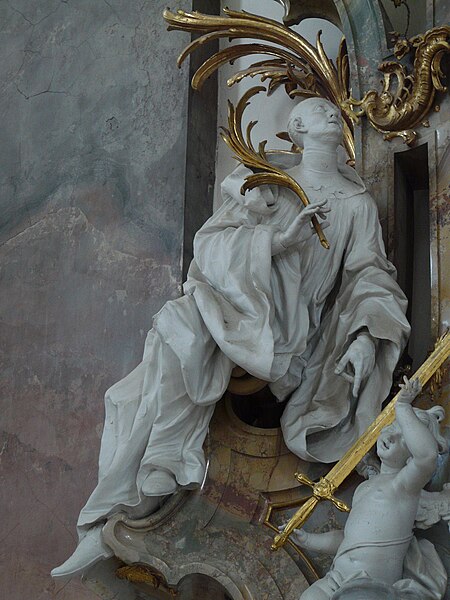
[325,488]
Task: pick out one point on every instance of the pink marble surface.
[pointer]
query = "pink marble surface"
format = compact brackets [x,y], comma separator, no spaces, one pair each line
[92,175]
[67,334]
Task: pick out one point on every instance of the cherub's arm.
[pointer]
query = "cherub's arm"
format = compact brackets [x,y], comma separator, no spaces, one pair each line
[419,440]
[324,543]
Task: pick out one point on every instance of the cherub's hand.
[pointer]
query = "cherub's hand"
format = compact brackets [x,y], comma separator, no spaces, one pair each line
[409,390]
[324,543]
[299,536]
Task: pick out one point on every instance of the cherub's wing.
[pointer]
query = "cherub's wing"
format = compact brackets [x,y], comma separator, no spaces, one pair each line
[433,507]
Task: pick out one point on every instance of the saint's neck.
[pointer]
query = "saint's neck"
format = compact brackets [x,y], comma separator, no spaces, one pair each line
[319,160]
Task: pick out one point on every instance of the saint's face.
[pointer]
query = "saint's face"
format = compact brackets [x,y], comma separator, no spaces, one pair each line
[322,120]
[391,447]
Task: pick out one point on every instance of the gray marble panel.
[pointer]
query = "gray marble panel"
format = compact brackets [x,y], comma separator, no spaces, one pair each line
[92,180]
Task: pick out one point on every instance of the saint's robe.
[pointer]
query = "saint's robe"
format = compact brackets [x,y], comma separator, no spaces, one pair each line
[287,319]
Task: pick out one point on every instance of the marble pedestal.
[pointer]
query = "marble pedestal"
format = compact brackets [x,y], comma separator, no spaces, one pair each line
[214,543]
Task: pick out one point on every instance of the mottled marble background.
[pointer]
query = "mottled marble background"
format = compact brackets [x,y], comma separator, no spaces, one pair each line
[93,138]
[95,220]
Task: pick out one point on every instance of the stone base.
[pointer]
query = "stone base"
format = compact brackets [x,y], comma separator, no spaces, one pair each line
[215,543]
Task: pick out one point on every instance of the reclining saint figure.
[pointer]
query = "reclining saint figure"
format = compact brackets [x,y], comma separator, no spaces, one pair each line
[324,327]
[377,553]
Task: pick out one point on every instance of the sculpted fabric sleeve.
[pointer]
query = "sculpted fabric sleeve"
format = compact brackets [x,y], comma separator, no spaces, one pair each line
[230,279]
[322,418]
[375,300]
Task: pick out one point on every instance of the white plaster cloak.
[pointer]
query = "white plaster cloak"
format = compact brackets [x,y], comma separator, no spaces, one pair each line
[424,576]
[286,319]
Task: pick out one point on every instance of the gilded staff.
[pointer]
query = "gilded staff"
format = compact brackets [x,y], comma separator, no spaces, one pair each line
[325,488]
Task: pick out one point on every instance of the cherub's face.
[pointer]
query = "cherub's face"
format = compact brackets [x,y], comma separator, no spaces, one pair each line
[391,447]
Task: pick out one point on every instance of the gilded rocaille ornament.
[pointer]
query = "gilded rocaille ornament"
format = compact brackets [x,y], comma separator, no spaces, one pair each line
[303,69]
[144,574]
[403,102]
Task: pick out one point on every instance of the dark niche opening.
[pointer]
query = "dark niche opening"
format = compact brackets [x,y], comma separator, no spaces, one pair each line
[412,246]
[198,586]
[258,410]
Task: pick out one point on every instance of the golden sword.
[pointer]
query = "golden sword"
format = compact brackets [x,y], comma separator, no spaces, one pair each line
[324,489]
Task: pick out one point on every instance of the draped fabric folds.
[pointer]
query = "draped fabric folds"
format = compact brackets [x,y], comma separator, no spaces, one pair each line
[287,319]
[424,576]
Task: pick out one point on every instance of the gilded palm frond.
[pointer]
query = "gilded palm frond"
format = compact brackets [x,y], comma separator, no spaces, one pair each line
[264,172]
[302,68]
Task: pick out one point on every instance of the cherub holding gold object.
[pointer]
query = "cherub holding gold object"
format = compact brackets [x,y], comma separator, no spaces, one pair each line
[377,545]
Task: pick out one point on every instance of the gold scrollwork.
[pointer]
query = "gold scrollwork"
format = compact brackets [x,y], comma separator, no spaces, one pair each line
[302,68]
[145,574]
[403,102]
[395,112]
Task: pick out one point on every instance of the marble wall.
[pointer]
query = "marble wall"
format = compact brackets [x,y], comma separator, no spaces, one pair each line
[92,176]
[95,236]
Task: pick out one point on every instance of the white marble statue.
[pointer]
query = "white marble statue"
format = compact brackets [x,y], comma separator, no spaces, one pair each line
[377,553]
[324,327]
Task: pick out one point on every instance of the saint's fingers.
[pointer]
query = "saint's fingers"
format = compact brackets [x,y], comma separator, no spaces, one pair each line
[357,385]
[347,377]
[342,364]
